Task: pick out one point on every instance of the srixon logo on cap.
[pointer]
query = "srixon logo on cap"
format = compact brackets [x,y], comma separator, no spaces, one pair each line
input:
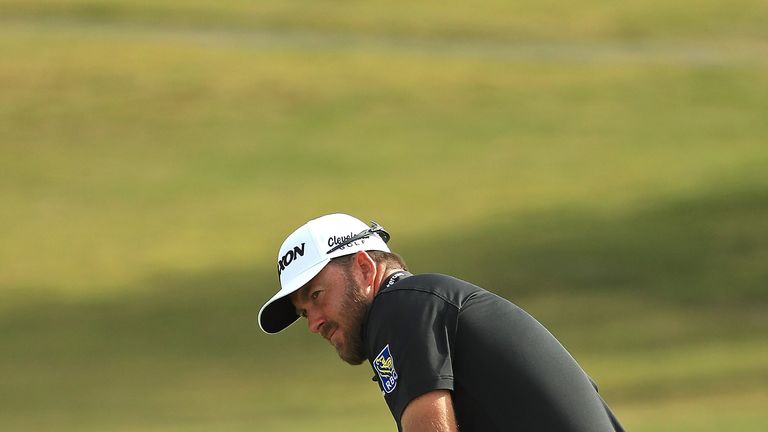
[289,257]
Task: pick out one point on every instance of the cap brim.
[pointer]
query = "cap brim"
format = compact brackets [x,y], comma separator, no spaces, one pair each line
[278,312]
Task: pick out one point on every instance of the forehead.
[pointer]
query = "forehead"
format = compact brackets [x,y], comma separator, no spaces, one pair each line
[325,279]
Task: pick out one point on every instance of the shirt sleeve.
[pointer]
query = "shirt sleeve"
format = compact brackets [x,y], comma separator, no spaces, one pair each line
[410,341]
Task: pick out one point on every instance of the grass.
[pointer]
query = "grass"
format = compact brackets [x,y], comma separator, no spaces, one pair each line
[524,20]
[603,168]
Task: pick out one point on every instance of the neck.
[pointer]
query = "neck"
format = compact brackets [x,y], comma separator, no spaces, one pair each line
[382,272]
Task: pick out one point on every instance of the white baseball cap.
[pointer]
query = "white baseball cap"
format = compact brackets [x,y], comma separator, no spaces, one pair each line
[307,251]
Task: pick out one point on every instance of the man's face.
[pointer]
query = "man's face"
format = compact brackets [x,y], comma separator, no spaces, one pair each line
[335,306]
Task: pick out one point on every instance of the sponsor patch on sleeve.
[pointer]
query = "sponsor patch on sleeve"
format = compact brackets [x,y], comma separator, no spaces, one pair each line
[385,369]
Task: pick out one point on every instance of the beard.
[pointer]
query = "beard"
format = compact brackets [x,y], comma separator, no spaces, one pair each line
[355,306]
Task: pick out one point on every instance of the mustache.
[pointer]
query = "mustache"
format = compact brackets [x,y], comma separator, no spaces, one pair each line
[327,329]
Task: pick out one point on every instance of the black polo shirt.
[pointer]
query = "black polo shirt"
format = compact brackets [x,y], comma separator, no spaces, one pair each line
[505,371]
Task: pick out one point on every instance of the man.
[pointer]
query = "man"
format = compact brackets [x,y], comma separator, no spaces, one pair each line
[448,355]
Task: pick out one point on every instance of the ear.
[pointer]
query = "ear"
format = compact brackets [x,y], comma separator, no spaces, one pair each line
[367,268]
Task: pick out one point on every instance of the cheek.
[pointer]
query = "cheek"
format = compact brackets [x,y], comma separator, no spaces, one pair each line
[334,313]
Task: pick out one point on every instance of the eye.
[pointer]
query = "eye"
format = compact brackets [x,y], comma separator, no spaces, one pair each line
[315,295]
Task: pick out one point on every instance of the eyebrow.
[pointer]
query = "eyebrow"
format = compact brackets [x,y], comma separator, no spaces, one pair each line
[303,297]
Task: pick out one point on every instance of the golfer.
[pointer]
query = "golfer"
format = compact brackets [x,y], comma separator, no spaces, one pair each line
[446,354]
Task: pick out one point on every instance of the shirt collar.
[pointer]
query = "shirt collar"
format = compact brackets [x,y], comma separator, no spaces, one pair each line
[393,279]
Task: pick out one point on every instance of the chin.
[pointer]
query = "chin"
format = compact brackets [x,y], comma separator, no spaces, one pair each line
[351,358]
[352,361]
[346,356]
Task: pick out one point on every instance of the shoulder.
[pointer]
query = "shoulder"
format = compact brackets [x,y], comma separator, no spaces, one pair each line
[417,300]
[427,286]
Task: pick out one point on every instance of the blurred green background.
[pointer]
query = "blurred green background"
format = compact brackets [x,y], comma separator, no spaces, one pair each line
[602,164]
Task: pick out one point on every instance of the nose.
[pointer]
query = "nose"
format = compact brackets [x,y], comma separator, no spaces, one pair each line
[315,322]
